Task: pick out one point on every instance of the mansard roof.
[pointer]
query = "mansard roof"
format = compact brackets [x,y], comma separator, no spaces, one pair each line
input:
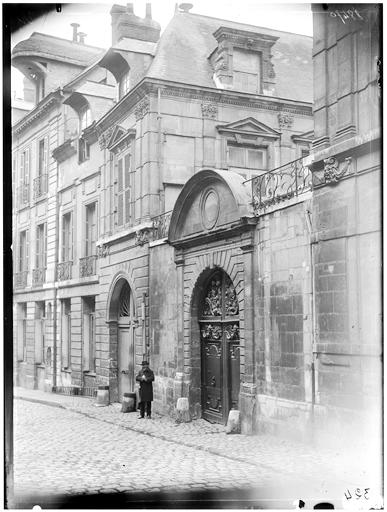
[56,48]
[188,41]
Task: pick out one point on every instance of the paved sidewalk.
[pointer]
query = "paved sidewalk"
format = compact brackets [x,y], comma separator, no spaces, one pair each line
[288,458]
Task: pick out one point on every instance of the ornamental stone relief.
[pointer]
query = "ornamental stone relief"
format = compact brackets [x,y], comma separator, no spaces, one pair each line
[104,138]
[213,332]
[213,300]
[285,120]
[142,108]
[230,300]
[210,110]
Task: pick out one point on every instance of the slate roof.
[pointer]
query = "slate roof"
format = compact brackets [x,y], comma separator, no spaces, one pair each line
[188,41]
[56,48]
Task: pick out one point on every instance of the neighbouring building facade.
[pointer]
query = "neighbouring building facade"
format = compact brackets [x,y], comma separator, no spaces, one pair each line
[202,210]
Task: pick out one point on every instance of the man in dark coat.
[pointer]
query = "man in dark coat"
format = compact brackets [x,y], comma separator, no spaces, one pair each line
[145,377]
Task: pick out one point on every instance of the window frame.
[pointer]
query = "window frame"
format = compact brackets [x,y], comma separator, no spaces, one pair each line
[66,334]
[123,188]
[246,148]
[124,84]
[89,245]
[240,70]
[67,242]
[41,246]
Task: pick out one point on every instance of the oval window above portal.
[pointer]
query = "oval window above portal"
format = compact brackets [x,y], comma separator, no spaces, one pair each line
[210,208]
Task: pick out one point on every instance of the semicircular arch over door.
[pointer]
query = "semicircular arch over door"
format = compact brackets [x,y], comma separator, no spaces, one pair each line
[220,347]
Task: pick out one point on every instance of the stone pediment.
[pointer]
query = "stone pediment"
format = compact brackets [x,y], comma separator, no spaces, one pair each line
[248,130]
[119,137]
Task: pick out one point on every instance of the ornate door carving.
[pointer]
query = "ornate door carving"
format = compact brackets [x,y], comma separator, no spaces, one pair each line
[219,337]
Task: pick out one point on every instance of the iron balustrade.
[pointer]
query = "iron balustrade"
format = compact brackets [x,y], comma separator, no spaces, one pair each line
[64,270]
[284,182]
[23,194]
[38,276]
[21,279]
[40,186]
[160,225]
[87,266]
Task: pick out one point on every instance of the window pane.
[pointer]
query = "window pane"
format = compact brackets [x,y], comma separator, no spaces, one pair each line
[127,170]
[120,180]
[236,156]
[255,159]
[127,206]
[120,209]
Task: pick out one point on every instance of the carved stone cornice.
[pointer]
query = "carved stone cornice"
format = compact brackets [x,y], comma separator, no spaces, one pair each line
[142,108]
[40,110]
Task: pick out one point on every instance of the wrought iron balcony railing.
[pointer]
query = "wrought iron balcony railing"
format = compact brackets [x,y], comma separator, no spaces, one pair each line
[23,195]
[38,276]
[160,225]
[21,279]
[285,182]
[40,186]
[64,270]
[87,266]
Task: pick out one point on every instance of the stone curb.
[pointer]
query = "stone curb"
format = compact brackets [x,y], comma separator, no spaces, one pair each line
[52,403]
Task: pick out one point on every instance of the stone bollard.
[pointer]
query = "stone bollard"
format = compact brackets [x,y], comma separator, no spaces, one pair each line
[182,411]
[128,402]
[233,422]
[102,396]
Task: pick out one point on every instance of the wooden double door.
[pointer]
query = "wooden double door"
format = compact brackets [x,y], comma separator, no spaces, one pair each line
[220,348]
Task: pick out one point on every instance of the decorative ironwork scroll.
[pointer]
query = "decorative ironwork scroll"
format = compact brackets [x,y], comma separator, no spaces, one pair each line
[64,270]
[38,276]
[160,225]
[285,182]
[87,266]
[213,300]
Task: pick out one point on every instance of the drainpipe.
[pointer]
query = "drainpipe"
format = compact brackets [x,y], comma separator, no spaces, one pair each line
[313,290]
[159,144]
[55,309]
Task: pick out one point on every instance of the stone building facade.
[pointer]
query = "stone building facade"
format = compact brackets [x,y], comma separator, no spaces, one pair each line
[193,228]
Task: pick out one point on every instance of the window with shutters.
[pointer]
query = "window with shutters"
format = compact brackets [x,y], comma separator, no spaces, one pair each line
[83,145]
[91,230]
[89,353]
[66,333]
[22,332]
[67,237]
[23,251]
[24,178]
[124,84]
[41,246]
[247,71]
[123,190]
[40,332]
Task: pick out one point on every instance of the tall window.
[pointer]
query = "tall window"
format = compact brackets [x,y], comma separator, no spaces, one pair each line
[124,84]
[24,177]
[41,246]
[89,352]
[91,230]
[23,251]
[247,157]
[43,150]
[123,190]
[247,71]
[66,332]
[67,237]
[21,332]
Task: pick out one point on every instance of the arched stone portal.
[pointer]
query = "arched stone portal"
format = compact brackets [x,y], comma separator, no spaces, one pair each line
[216,344]
[122,322]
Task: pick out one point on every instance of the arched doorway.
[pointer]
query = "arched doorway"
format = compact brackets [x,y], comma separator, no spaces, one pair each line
[220,351]
[126,323]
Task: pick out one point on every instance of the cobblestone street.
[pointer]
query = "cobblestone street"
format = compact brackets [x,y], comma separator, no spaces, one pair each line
[62,454]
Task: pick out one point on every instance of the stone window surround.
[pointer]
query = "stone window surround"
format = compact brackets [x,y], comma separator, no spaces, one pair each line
[222,57]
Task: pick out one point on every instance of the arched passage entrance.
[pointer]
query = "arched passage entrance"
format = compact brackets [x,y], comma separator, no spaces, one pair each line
[218,316]
[122,320]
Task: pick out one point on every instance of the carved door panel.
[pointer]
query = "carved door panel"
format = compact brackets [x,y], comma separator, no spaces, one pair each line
[219,334]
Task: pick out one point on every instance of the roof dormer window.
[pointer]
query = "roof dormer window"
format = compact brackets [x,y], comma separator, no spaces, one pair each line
[242,61]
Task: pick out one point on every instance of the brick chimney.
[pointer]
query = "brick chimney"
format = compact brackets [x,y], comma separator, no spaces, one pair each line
[126,24]
[82,36]
[75,31]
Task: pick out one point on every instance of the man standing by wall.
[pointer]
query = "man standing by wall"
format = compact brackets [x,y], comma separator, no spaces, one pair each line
[145,377]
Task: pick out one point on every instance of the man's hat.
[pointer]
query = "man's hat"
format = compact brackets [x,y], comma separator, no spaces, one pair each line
[145,363]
